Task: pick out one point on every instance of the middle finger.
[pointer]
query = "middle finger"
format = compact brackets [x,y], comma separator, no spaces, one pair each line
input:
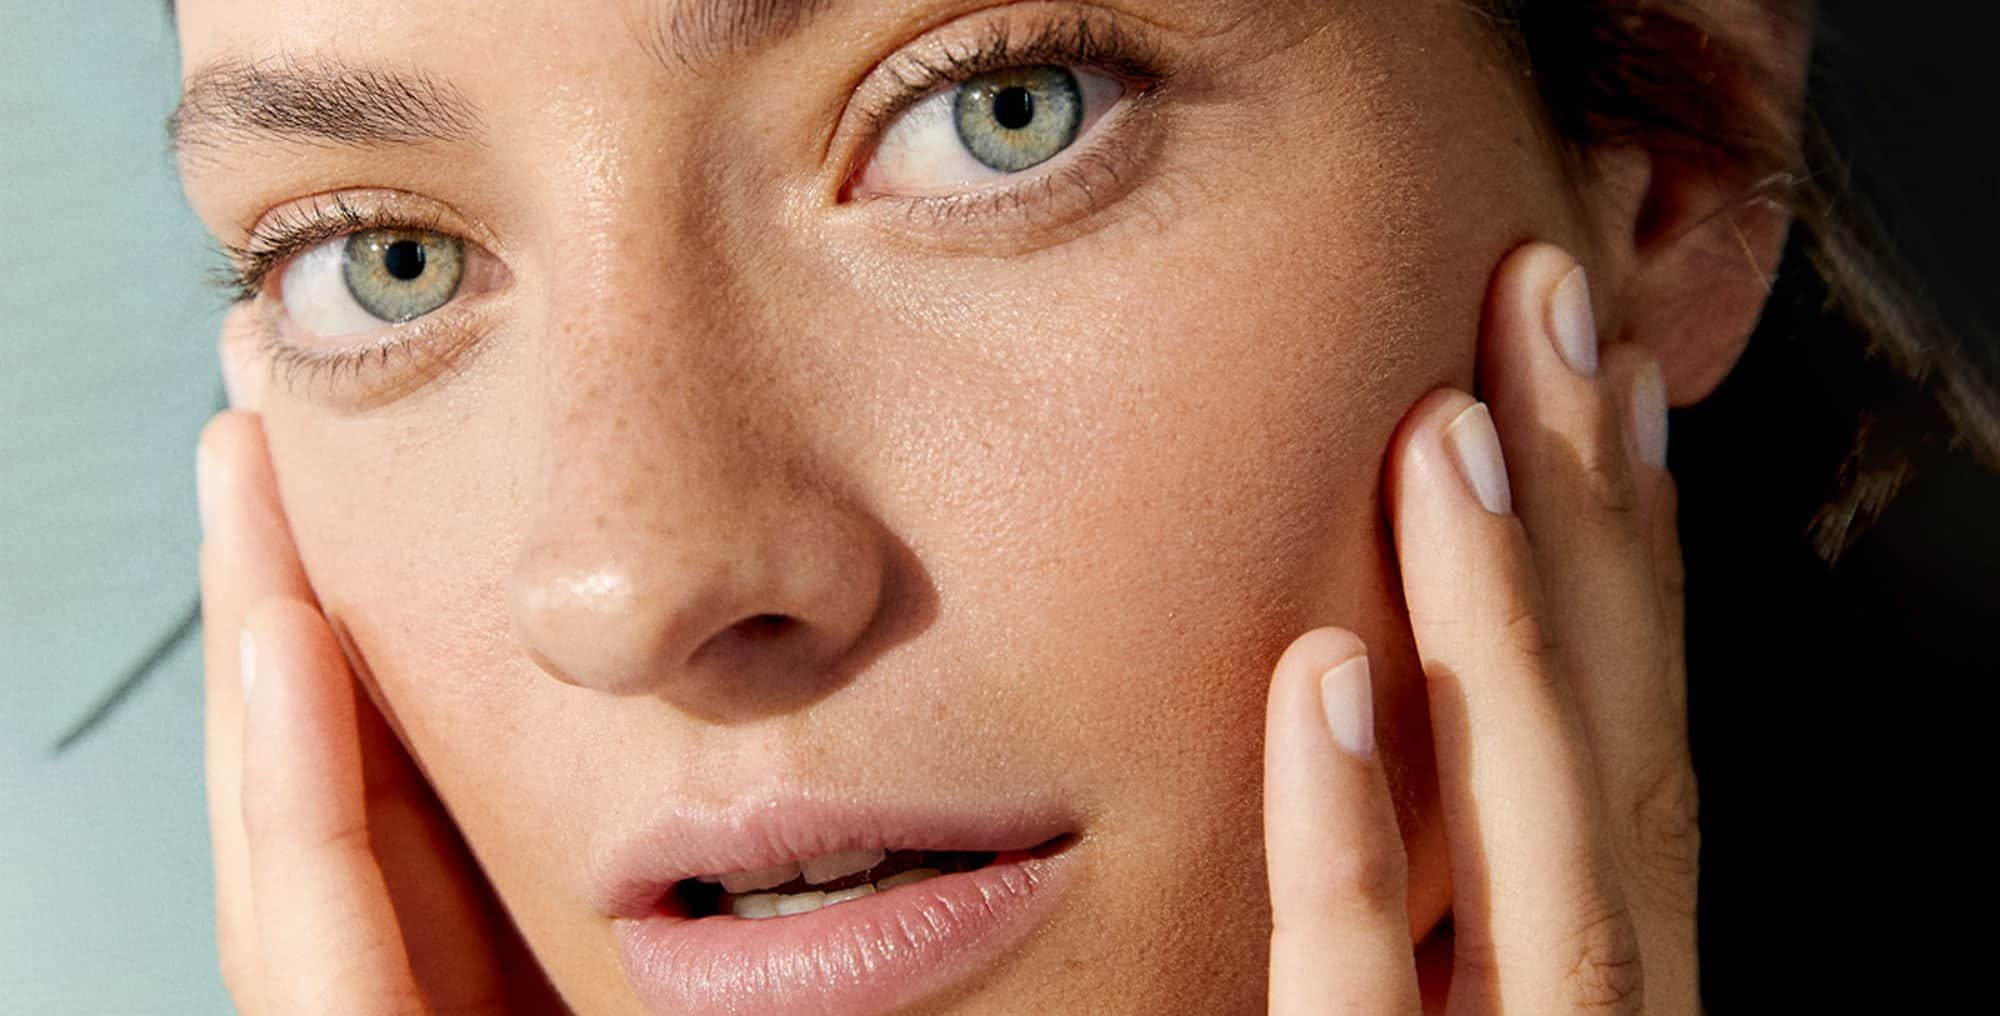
[1560,408]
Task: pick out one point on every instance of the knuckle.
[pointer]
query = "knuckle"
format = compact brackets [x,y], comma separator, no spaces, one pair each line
[338,838]
[1523,633]
[1606,975]
[1343,887]
[1673,577]
[1665,838]
[1371,880]
[1610,482]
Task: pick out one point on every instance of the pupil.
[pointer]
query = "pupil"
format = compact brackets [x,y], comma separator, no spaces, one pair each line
[1014,108]
[404,259]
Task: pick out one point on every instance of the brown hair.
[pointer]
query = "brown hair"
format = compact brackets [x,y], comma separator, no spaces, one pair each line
[1672,73]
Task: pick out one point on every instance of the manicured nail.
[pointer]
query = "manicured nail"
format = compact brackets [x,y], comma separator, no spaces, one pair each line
[1476,446]
[203,482]
[1573,324]
[1350,707]
[232,384]
[246,661]
[1649,415]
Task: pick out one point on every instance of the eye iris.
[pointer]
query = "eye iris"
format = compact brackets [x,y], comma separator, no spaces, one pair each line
[1015,119]
[400,275]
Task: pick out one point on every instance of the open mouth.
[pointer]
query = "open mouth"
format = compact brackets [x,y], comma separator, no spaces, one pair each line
[830,908]
[816,883]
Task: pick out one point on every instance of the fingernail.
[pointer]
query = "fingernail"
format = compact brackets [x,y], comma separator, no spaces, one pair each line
[1573,323]
[202,484]
[246,661]
[1649,414]
[1349,702]
[1476,446]
[232,381]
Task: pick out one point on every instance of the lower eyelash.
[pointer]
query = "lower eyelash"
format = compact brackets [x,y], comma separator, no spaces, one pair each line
[377,371]
[1102,168]
[1085,174]
[298,367]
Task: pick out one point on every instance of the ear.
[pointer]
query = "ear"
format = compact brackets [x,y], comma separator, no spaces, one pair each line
[1692,230]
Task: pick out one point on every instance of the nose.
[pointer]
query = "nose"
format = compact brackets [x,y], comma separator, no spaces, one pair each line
[687,539]
[716,606]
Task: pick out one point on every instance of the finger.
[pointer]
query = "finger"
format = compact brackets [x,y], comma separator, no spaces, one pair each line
[1563,413]
[1647,395]
[327,934]
[1340,935]
[246,555]
[1539,918]
[1585,435]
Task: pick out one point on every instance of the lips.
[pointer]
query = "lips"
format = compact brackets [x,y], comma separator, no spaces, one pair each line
[897,933]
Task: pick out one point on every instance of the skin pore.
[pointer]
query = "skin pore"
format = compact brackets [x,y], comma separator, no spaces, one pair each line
[1042,479]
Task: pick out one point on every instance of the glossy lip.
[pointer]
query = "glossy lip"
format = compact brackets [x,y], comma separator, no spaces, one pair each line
[867,955]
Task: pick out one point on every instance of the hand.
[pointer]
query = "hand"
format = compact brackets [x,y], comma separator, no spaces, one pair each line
[1548,619]
[341,886]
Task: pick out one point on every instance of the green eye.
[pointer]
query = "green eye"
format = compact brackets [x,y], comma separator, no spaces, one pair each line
[1015,119]
[399,275]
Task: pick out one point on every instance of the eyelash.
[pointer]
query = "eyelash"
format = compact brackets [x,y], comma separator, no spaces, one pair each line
[273,242]
[1079,39]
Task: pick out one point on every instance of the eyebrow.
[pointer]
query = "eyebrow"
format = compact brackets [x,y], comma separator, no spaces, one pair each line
[317,101]
[327,101]
[688,33]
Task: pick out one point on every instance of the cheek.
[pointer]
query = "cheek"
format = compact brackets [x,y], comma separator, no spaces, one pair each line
[1172,432]
[407,529]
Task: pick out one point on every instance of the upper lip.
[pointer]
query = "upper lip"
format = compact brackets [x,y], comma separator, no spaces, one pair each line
[686,840]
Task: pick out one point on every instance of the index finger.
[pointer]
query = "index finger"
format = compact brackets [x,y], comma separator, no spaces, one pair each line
[1340,927]
[246,556]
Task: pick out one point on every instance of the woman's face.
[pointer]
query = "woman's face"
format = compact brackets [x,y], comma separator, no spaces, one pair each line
[779,465]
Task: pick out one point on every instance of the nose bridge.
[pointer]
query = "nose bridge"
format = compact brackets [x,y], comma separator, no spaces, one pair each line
[683,540]
[639,392]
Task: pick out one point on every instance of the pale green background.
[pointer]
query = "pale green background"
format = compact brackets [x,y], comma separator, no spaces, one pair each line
[106,375]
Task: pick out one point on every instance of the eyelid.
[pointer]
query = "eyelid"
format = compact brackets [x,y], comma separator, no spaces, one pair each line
[294,227]
[994,39]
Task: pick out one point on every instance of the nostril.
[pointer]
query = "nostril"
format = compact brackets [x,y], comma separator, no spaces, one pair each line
[764,626]
[757,642]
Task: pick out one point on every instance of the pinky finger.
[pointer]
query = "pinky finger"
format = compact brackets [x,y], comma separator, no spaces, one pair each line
[327,936]
[1340,934]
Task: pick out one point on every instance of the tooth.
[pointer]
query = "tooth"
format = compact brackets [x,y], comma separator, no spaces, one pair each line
[763,878]
[755,907]
[800,903]
[832,866]
[849,894]
[913,875]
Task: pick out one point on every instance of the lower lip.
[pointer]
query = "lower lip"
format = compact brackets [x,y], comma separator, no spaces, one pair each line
[869,955]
